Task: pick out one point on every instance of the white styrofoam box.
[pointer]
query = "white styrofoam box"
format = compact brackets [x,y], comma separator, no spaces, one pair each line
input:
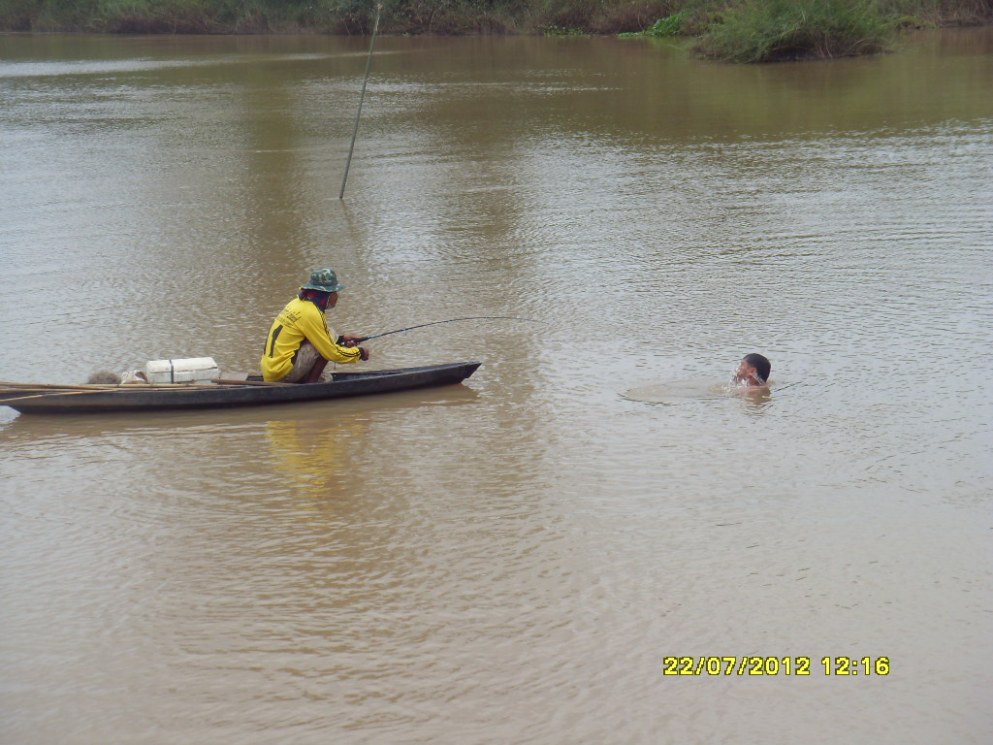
[189,370]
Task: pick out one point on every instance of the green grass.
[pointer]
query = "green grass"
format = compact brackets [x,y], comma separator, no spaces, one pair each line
[776,30]
[564,32]
[664,27]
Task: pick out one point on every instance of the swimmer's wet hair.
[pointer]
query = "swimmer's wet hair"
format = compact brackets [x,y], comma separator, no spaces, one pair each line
[762,365]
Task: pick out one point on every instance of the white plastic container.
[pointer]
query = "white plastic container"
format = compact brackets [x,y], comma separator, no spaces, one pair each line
[190,370]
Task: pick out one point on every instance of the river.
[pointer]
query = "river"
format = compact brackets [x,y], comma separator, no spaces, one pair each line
[511,560]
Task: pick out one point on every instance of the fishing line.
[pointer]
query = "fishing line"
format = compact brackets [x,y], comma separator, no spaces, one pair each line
[368,66]
[777,390]
[450,320]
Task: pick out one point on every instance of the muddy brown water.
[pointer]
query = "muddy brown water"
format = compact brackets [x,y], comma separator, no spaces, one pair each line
[508,561]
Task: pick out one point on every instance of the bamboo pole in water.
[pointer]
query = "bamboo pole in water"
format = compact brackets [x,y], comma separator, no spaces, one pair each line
[368,66]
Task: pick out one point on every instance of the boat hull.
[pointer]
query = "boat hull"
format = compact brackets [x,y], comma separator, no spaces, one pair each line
[101,399]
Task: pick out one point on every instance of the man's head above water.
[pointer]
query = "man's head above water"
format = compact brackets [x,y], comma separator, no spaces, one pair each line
[753,370]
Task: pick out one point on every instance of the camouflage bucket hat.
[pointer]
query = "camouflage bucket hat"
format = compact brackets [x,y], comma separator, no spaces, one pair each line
[324,280]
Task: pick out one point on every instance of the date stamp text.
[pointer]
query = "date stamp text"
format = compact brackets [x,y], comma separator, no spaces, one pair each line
[772,666]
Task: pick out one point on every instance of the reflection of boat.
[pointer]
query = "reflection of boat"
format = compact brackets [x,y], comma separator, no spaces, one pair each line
[95,399]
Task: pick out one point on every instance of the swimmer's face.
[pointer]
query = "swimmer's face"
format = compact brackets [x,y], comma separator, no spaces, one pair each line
[746,374]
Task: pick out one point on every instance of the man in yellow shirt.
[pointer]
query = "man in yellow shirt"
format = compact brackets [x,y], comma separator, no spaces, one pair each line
[300,342]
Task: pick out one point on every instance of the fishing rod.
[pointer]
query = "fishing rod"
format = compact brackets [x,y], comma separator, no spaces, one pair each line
[361,339]
[368,66]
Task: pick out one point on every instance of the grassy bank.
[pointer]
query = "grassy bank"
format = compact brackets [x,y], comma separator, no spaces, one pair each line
[771,30]
[734,30]
[776,30]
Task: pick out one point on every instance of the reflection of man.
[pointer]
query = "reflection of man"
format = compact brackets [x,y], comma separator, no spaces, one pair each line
[300,342]
[313,455]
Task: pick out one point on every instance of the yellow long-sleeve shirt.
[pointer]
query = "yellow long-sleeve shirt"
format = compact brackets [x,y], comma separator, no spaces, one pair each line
[298,322]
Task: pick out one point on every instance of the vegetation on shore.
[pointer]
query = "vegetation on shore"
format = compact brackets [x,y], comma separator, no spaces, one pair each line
[733,30]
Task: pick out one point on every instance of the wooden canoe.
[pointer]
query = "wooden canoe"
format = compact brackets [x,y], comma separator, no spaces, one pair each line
[98,399]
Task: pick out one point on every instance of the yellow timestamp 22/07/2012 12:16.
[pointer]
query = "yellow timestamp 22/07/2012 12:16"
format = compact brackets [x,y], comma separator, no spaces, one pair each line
[751,665]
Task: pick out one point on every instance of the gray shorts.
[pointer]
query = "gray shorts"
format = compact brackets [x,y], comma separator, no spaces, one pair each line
[303,363]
